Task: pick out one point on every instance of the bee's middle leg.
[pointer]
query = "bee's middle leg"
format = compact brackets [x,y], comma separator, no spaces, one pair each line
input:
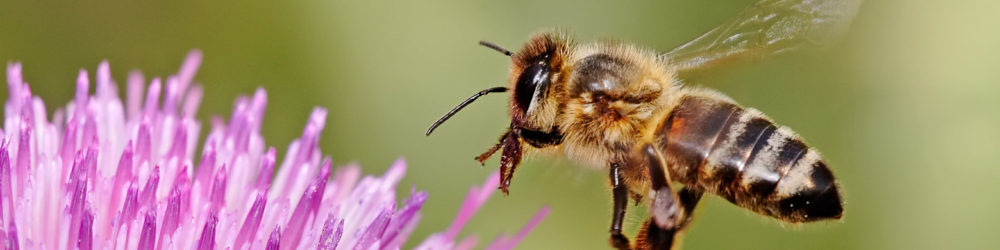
[620,196]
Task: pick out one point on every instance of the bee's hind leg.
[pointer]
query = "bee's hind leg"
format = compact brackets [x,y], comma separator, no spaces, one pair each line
[689,199]
[652,236]
[670,211]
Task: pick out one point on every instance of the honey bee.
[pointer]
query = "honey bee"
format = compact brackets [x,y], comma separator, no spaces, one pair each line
[616,105]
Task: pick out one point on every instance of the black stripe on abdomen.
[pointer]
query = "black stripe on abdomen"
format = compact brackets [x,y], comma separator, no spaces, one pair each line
[730,154]
[741,155]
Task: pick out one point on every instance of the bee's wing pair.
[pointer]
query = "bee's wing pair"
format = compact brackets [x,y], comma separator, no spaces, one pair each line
[767,28]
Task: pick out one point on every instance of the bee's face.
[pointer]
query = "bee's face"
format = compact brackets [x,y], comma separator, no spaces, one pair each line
[536,77]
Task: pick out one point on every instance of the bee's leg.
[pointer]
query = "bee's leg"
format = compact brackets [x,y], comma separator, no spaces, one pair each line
[509,159]
[652,236]
[669,209]
[689,199]
[620,195]
[665,205]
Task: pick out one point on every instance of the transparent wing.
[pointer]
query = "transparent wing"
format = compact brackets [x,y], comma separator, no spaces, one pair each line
[767,28]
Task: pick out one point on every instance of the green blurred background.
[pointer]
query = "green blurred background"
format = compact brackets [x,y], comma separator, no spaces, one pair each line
[905,109]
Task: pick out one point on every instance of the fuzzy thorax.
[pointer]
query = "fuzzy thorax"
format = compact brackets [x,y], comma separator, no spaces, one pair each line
[615,93]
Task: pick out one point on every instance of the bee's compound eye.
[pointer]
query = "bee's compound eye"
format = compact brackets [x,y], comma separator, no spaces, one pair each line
[533,78]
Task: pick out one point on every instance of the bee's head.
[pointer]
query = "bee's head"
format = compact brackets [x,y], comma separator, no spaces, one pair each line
[536,72]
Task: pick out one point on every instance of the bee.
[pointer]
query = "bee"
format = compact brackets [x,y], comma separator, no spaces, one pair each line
[621,107]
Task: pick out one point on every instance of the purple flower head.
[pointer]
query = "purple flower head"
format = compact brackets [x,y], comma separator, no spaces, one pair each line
[473,201]
[108,174]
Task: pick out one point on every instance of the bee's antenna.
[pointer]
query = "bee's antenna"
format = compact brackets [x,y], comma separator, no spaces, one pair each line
[498,48]
[462,105]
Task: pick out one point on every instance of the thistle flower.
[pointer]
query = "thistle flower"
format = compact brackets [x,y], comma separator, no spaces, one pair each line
[107,175]
[473,201]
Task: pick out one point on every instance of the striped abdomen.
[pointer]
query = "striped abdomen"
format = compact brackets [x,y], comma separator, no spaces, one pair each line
[739,154]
